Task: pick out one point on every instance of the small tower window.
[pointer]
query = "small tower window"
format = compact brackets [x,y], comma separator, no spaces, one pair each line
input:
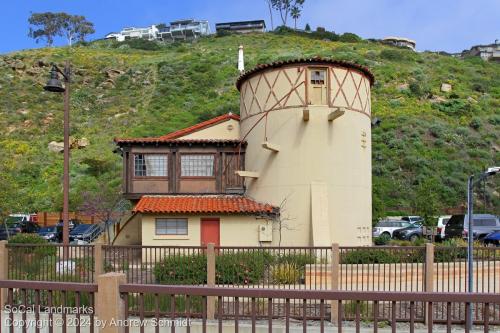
[318,76]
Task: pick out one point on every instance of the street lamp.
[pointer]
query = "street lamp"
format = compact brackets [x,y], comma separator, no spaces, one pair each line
[55,85]
[470,234]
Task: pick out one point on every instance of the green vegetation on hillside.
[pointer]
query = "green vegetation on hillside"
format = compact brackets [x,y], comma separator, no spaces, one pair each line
[120,90]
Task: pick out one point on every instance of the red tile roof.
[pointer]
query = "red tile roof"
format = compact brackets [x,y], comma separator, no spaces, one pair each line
[314,61]
[179,141]
[174,136]
[194,204]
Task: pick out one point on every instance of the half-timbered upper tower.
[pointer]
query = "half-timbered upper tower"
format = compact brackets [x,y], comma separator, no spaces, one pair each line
[308,129]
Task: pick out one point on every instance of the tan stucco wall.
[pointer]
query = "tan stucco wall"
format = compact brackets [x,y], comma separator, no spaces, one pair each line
[234,231]
[227,130]
[130,233]
[335,154]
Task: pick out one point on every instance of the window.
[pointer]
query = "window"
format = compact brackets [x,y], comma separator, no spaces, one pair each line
[171,226]
[150,165]
[318,76]
[485,222]
[197,165]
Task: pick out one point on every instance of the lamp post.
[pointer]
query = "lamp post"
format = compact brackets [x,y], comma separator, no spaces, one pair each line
[473,180]
[55,85]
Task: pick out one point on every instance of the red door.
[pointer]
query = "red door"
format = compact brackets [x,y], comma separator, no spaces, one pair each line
[210,231]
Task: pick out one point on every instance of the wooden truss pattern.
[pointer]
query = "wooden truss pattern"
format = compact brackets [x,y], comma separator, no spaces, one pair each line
[287,88]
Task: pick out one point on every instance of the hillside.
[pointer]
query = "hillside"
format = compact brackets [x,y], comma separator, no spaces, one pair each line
[425,147]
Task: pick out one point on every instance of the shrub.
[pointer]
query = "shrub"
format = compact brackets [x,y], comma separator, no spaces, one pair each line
[393,55]
[382,240]
[139,44]
[452,107]
[349,37]
[475,123]
[419,89]
[241,268]
[300,260]
[42,251]
[191,269]
[223,33]
[286,273]
[381,256]
[494,119]
[233,268]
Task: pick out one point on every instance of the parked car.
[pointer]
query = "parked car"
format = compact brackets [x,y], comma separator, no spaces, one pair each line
[412,219]
[492,239]
[441,226]
[387,227]
[411,233]
[51,234]
[10,229]
[483,224]
[72,223]
[85,232]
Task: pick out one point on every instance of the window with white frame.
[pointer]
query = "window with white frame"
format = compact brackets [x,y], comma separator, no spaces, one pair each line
[151,165]
[318,76]
[173,226]
[197,165]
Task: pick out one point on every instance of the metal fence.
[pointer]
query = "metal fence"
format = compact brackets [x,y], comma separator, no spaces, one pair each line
[51,262]
[283,306]
[380,268]
[37,305]
[384,269]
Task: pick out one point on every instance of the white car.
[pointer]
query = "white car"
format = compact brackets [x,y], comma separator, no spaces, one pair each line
[441,225]
[387,227]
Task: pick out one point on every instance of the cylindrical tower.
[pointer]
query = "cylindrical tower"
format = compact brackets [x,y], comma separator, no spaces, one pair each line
[308,127]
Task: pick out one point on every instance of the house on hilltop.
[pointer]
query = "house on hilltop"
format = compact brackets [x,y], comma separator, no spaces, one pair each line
[177,30]
[293,169]
[485,52]
[400,42]
[242,26]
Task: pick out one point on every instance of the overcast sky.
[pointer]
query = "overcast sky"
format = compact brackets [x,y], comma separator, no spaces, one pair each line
[447,25]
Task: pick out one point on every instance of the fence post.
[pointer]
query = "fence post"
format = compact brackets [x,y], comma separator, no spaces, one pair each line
[335,272]
[429,275]
[211,280]
[4,271]
[109,305]
[98,260]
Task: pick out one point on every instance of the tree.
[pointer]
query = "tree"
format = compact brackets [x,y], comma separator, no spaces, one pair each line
[49,25]
[44,26]
[270,5]
[308,27]
[427,203]
[284,7]
[75,27]
[295,13]
[106,204]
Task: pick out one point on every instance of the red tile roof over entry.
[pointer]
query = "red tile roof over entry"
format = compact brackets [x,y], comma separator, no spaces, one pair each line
[192,204]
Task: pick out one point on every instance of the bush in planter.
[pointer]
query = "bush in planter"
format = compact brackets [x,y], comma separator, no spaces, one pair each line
[28,262]
[300,260]
[241,267]
[190,269]
[382,239]
[286,273]
[21,238]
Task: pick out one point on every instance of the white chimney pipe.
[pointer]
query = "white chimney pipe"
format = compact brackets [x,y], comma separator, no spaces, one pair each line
[241,60]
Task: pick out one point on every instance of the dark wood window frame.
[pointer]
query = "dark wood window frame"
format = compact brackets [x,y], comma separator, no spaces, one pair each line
[181,177]
[172,219]
[135,177]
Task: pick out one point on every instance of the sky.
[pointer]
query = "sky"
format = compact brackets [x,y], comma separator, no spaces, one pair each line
[437,25]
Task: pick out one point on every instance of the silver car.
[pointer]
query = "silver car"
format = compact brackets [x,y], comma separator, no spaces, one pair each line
[387,227]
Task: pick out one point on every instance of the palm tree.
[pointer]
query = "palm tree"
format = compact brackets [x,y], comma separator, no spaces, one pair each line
[295,14]
[270,5]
